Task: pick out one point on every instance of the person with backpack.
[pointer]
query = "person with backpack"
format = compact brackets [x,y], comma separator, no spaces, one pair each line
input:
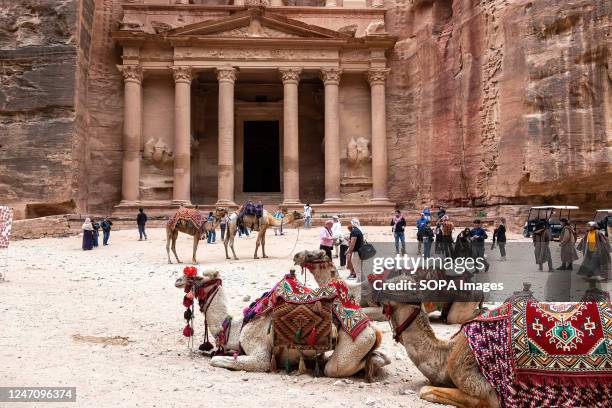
[212,233]
[353,260]
[426,236]
[141,220]
[106,229]
[419,225]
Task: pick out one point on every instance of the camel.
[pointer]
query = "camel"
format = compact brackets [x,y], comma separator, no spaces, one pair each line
[186,225]
[265,221]
[323,270]
[349,356]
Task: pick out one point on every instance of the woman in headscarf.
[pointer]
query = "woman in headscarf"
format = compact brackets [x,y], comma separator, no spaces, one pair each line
[87,235]
[567,241]
[596,250]
[463,245]
[541,239]
[326,236]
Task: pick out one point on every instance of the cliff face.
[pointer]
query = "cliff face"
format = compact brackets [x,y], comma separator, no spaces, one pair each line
[42,117]
[501,101]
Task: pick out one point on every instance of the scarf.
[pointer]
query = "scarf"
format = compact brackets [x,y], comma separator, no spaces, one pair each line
[87,225]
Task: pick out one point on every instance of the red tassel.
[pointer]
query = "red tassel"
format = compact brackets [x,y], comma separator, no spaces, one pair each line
[187,302]
[187,331]
[311,340]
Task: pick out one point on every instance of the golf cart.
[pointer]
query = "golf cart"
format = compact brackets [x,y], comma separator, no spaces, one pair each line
[603,218]
[551,214]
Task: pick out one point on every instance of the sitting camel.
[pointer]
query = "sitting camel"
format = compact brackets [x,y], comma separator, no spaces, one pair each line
[192,222]
[452,367]
[349,356]
[324,270]
[266,220]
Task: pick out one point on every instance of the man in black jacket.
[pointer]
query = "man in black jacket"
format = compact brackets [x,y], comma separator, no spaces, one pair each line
[106,229]
[141,220]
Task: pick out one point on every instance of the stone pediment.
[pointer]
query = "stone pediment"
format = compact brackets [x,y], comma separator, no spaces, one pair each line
[255,23]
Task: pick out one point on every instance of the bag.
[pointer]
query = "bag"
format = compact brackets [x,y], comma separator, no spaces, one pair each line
[366,251]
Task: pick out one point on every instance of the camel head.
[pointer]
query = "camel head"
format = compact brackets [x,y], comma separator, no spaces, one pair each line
[297,215]
[207,276]
[318,263]
[303,258]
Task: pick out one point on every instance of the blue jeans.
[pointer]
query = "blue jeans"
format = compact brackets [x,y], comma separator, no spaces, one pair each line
[307,222]
[223,227]
[212,236]
[399,236]
[141,231]
[426,249]
[105,237]
[95,238]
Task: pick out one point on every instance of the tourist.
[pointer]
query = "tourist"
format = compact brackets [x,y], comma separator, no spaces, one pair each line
[427,236]
[141,220]
[427,213]
[398,223]
[327,238]
[279,215]
[477,237]
[567,242]
[96,232]
[343,244]
[441,212]
[337,233]
[596,250]
[355,241]
[307,215]
[499,237]
[87,235]
[223,225]
[106,229]
[438,233]
[212,233]
[420,224]
[463,244]
[447,236]
[541,239]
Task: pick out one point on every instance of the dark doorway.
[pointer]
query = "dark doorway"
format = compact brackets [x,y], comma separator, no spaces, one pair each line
[261,157]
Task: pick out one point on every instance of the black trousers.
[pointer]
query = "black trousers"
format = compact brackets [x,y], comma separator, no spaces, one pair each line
[327,249]
[343,249]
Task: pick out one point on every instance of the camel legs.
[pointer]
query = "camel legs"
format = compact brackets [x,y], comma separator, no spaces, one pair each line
[196,241]
[169,234]
[229,240]
[256,345]
[257,245]
[349,356]
[263,241]
[257,362]
[174,236]
[450,396]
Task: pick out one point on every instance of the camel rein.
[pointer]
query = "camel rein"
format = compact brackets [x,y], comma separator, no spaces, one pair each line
[398,330]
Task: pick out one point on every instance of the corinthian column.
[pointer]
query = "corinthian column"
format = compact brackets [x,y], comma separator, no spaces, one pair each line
[377,78]
[182,135]
[132,130]
[331,80]
[226,77]
[291,162]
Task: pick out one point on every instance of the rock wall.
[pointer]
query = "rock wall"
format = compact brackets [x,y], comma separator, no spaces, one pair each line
[501,101]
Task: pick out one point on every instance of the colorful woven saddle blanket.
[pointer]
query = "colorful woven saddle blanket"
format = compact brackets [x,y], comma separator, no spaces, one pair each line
[190,215]
[348,313]
[545,354]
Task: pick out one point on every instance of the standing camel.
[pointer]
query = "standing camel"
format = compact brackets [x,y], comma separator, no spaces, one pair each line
[192,222]
[266,220]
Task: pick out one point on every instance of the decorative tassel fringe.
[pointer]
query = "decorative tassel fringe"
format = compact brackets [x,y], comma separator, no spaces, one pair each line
[302,365]
[311,340]
[206,346]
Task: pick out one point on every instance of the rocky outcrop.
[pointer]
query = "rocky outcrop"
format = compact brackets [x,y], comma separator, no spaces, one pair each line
[501,101]
[42,117]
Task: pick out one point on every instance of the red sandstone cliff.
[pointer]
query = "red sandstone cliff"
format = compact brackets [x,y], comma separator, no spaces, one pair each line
[498,101]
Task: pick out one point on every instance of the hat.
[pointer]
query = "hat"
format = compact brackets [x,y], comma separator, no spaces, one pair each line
[445,218]
[335,217]
[592,224]
[329,223]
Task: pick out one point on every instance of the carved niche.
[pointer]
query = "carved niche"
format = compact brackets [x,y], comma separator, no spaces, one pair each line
[157,153]
[357,162]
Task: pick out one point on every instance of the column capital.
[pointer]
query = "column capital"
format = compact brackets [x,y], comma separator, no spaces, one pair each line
[227,74]
[131,73]
[331,76]
[182,74]
[378,76]
[290,75]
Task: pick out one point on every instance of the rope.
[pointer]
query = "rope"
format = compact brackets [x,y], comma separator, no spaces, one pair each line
[297,237]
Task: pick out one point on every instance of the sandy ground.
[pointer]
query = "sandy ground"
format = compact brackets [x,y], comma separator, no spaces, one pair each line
[60,304]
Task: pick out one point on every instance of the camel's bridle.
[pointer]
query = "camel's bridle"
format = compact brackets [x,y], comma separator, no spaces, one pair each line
[398,330]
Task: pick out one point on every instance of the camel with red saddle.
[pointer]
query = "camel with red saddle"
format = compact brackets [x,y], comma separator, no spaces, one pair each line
[192,222]
[265,221]
[461,375]
[350,355]
[324,270]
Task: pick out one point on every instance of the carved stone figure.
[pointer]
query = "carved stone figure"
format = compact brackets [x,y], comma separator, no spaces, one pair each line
[358,157]
[157,153]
